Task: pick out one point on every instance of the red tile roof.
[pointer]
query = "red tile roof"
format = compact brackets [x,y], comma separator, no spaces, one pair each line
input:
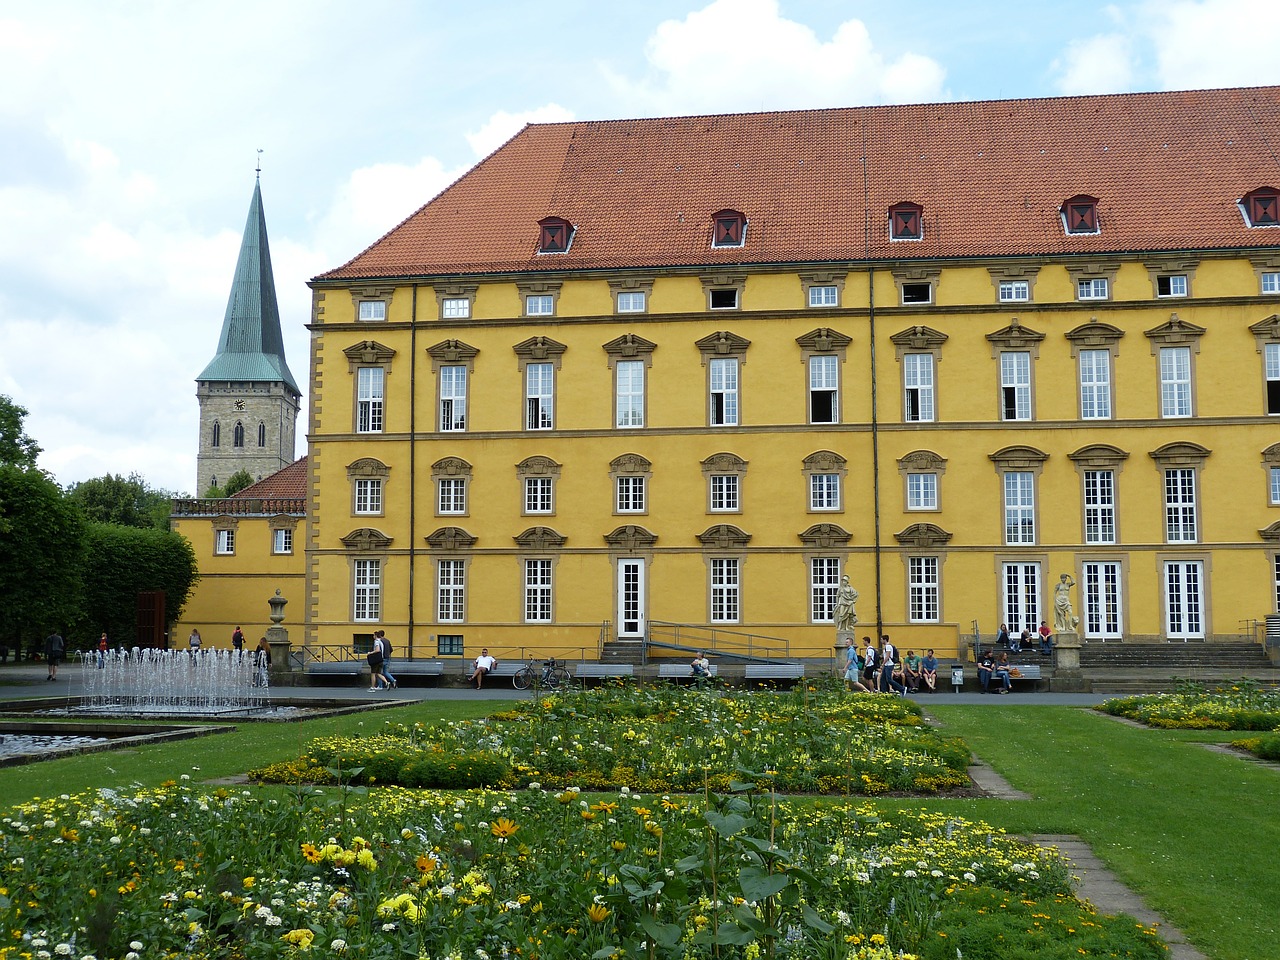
[291,482]
[1167,168]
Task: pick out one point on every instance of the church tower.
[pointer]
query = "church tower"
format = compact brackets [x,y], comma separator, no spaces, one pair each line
[248,398]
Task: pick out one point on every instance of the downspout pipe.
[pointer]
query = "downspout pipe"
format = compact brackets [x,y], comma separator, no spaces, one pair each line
[413,457]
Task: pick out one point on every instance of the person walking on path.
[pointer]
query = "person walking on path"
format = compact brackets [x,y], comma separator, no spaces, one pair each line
[889,659]
[376,680]
[237,640]
[381,635]
[54,648]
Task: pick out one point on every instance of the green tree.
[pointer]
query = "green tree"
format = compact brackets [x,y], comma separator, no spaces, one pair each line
[16,448]
[237,482]
[120,563]
[41,555]
[128,501]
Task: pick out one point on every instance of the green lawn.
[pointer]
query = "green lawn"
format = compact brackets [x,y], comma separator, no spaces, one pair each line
[1196,833]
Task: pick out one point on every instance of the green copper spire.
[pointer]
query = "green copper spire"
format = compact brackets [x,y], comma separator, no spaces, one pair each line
[251,347]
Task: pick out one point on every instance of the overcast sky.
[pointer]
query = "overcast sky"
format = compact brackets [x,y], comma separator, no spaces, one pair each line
[129,132]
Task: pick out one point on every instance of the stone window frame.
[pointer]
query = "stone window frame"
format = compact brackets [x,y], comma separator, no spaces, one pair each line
[1013,273]
[632,285]
[920,339]
[455,291]
[720,282]
[1095,457]
[1182,455]
[451,468]
[539,349]
[630,347]
[372,293]
[368,468]
[724,345]
[539,288]
[453,544]
[1205,559]
[1093,270]
[631,465]
[1266,333]
[825,462]
[824,342]
[452,353]
[1270,463]
[369,354]
[724,541]
[538,543]
[921,462]
[916,274]
[1015,338]
[1096,335]
[1171,268]
[1020,458]
[823,278]
[283,521]
[720,465]
[938,559]
[923,540]
[367,544]
[224,524]
[823,541]
[1174,333]
[537,467]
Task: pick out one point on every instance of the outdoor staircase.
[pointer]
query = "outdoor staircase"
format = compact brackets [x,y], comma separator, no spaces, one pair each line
[1133,668]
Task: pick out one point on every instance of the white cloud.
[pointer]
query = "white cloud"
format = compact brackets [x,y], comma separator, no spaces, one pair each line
[744,55]
[1213,43]
[502,126]
[1100,64]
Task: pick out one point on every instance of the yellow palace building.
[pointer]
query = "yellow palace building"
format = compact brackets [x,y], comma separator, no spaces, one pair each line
[676,377]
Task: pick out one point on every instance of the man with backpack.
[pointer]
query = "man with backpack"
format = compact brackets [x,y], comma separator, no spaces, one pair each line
[380,637]
[888,658]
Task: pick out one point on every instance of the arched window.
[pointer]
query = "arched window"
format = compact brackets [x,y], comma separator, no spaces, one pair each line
[237,436]
[215,439]
[262,434]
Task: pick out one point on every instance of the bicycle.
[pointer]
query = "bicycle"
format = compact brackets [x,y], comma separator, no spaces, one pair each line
[549,675]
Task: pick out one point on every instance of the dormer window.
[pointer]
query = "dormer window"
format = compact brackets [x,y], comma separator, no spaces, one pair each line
[730,229]
[556,234]
[906,221]
[1080,215]
[1262,207]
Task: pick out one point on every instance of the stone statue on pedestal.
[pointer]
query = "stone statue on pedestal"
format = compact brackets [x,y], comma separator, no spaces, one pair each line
[1064,618]
[846,616]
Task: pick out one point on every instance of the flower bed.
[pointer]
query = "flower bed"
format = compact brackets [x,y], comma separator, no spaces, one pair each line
[184,871]
[657,740]
[1241,706]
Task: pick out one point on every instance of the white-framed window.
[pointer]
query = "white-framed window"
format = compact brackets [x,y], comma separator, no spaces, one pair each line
[537,591]
[452,495]
[368,495]
[455,308]
[1175,381]
[1015,385]
[1092,288]
[724,493]
[629,399]
[723,377]
[539,305]
[922,491]
[922,590]
[1180,505]
[453,397]
[1100,591]
[539,393]
[1270,283]
[1275,563]
[373,310]
[1019,507]
[224,542]
[824,585]
[538,495]
[1099,506]
[1273,474]
[370,396]
[824,388]
[631,302]
[917,381]
[824,491]
[1184,599]
[1021,596]
[451,591]
[366,603]
[824,296]
[725,589]
[722,299]
[917,293]
[1014,291]
[630,494]
[1095,384]
[1271,371]
[282,540]
[1171,285]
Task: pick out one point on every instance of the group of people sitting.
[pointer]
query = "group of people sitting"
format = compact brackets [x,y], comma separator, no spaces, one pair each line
[998,669]
[883,670]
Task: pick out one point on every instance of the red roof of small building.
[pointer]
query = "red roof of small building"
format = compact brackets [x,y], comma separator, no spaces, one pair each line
[1167,169]
[290,482]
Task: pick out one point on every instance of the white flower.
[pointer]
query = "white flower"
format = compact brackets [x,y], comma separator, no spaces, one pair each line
[63,949]
[972,878]
[388,927]
[909,874]
[338,946]
[135,944]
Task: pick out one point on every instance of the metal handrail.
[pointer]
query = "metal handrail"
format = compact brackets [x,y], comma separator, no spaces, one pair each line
[723,643]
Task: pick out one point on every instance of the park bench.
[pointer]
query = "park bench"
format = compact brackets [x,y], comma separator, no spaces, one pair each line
[503,668]
[682,671]
[773,671]
[595,670]
[416,668]
[1027,673]
[335,668]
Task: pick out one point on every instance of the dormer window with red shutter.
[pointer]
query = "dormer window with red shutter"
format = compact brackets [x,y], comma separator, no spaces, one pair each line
[555,235]
[729,229]
[1261,207]
[906,221]
[1080,215]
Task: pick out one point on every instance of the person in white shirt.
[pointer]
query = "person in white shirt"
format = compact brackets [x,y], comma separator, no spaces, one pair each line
[484,663]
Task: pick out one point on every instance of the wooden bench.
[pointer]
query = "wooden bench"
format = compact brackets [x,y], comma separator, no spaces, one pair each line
[416,668]
[1027,673]
[335,668]
[595,670]
[773,671]
[682,671]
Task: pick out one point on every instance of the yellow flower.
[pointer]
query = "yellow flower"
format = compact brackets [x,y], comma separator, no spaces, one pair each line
[503,828]
[300,938]
[365,859]
[618,846]
[311,854]
[427,864]
[587,814]
[597,913]
[249,882]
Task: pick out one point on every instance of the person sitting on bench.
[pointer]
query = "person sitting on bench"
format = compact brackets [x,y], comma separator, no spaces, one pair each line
[484,663]
[701,666]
